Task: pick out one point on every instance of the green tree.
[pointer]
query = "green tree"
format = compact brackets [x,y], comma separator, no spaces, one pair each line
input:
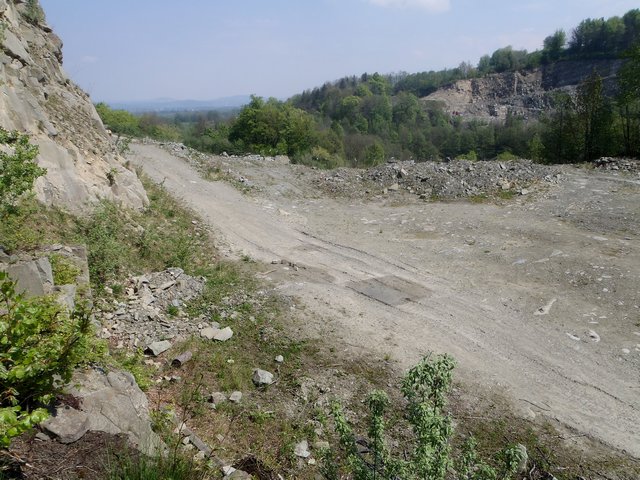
[595,117]
[628,101]
[560,131]
[553,46]
[120,122]
[18,169]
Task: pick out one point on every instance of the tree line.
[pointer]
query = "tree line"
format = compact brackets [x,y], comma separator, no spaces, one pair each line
[361,121]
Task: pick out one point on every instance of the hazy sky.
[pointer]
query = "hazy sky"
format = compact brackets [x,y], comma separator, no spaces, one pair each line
[206,49]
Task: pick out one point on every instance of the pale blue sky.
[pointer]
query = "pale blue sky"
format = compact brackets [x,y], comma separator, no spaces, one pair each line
[206,49]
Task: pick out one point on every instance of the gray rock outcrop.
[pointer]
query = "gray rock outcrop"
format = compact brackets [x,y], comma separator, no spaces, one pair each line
[37,97]
[526,93]
[109,402]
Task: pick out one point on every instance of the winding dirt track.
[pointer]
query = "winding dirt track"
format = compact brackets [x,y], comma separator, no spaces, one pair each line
[537,299]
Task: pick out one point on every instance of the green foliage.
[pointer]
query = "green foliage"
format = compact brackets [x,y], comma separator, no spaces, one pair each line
[119,121]
[18,170]
[40,345]
[64,270]
[425,388]
[14,422]
[138,467]
[506,156]
[595,118]
[553,46]
[33,12]
[273,128]
[470,155]
[628,99]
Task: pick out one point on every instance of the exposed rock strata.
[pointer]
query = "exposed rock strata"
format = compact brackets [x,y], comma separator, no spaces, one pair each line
[37,97]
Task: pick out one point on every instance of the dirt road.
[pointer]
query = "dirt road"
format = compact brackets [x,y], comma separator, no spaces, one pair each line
[538,299]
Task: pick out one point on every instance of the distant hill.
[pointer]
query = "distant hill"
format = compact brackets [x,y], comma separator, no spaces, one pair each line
[173,105]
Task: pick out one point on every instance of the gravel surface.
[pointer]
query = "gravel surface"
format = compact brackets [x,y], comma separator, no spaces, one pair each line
[537,295]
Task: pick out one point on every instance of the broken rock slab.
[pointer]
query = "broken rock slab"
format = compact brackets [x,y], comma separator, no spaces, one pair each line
[33,278]
[113,403]
[221,335]
[157,348]
[67,424]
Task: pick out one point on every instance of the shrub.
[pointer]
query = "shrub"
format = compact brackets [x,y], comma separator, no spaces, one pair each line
[40,345]
[33,12]
[425,389]
[506,156]
[18,170]
[64,270]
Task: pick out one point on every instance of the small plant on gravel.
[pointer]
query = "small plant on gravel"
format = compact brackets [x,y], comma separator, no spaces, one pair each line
[425,388]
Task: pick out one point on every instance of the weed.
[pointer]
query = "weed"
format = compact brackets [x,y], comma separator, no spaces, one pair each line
[140,467]
[111,176]
[134,363]
[480,198]
[117,289]
[506,194]
[33,12]
[64,270]
[425,388]
[172,310]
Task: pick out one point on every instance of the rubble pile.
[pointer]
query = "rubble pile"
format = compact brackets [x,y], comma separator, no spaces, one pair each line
[442,180]
[153,309]
[618,164]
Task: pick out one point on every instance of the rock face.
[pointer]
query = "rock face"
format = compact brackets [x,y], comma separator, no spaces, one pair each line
[38,98]
[523,93]
[109,402]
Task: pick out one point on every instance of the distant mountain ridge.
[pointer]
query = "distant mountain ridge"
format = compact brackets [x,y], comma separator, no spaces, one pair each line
[173,105]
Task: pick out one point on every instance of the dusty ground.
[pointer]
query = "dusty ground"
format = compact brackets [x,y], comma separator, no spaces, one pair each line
[537,297]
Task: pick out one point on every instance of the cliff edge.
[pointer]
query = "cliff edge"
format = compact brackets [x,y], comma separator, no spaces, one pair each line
[37,97]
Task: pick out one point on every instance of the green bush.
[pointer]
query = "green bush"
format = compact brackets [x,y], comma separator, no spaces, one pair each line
[33,12]
[506,156]
[64,270]
[40,345]
[425,389]
[18,170]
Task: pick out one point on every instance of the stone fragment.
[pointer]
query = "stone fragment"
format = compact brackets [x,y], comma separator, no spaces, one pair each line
[157,348]
[262,377]
[217,398]
[279,359]
[223,335]
[67,424]
[235,397]
[302,449]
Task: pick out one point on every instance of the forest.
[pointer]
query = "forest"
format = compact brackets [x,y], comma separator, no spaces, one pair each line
[360,121]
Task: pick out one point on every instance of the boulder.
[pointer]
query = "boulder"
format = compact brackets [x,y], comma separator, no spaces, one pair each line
[67,424]
[113,403]
[33,278]
[262,377]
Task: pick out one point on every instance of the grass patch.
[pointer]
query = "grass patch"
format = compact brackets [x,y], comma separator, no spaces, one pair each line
[506,194]
[119,241]
[133,466]
[64,270]
[480,198]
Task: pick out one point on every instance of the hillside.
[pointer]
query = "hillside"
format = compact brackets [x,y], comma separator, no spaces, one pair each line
[524,93]
[37,97]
